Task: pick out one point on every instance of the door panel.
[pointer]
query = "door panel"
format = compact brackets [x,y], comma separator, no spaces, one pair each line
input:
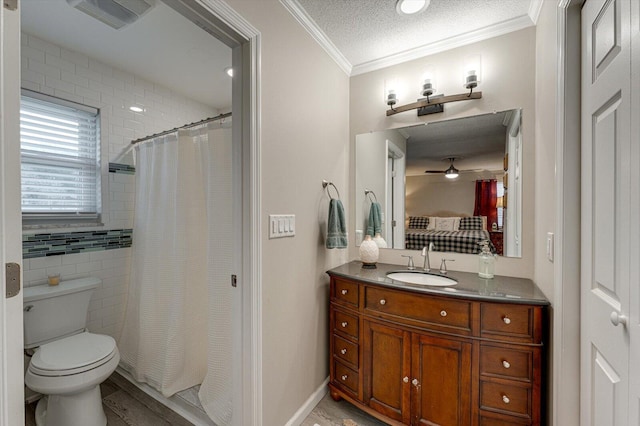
[442,395]
[387,356]
[606,215]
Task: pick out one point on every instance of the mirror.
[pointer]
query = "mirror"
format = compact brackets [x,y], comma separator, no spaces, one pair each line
[408,172]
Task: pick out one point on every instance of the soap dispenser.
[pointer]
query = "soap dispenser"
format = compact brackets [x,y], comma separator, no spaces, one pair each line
[487,261]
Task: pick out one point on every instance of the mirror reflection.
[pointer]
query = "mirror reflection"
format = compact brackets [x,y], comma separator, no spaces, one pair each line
[453,183]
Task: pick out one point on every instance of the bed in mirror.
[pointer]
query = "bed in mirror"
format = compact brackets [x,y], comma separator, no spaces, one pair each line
[453,183]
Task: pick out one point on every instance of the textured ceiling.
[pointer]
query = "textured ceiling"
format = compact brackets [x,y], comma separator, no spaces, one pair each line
[162,46]
[368,30]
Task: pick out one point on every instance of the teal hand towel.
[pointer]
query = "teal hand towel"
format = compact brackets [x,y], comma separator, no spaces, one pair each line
[374,226]
[336,226]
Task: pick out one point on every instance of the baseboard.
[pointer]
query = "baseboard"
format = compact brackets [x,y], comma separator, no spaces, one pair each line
[309,404]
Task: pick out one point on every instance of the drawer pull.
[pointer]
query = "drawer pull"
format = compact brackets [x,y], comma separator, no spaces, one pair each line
[343,324]
[443,313]
[415,382]
[506,364]
[343,351]
[506,320]
[344,377]
[406,379]
[344,291]
[505,399]
[383,302]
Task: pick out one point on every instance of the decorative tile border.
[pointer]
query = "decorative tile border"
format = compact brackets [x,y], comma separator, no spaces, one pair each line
[41,245]
[121,168]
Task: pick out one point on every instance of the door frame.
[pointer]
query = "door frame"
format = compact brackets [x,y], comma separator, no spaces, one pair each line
[565,390]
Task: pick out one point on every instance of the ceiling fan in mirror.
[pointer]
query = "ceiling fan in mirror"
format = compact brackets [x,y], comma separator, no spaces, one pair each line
[451,172]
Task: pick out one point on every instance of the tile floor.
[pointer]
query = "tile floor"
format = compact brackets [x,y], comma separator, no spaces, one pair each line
[126,405]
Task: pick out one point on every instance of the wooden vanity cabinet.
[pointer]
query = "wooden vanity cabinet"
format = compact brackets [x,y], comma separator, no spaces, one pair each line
[412,358]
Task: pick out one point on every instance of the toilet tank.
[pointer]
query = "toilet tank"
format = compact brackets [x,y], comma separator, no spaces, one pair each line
[53,312]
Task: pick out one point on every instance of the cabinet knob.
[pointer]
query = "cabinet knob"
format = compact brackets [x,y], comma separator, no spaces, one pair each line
[343,324]
[344,377]
[343,351]
[383,302]
[415,382]
[505,399]
[344,291]
[506,319]
[443,313]
[406,379]
[506,364]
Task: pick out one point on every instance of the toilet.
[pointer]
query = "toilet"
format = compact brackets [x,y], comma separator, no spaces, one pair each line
[68,363]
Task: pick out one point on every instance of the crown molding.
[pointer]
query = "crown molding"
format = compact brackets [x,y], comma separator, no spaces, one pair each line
[534,10]
[317,34]
[485,33]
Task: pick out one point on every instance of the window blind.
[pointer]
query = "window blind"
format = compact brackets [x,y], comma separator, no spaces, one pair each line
[59,159]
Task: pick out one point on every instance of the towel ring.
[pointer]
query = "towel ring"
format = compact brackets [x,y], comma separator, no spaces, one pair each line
[326,184]
[369,193]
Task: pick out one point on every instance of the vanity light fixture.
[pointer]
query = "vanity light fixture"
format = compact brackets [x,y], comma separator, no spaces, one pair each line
[435,103]
[411,7]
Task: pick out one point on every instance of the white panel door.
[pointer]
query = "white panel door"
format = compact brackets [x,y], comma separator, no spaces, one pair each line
[11,362]
[605,262]
[634,228]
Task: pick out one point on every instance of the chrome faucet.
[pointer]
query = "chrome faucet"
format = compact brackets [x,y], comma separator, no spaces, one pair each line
[425,253]
[443,265]
[410,266]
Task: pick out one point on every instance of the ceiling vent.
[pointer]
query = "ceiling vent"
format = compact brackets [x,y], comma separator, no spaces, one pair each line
[115,13]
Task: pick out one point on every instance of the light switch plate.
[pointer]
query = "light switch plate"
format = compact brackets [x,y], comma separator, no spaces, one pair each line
[550,246]
[282,225]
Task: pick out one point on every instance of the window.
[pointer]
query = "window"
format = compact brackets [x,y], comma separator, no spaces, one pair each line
[500,189]
[60,161]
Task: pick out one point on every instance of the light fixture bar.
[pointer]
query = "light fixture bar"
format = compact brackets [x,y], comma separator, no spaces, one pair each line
[435,101]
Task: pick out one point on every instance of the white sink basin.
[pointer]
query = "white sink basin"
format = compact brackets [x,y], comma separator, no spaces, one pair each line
[421,278]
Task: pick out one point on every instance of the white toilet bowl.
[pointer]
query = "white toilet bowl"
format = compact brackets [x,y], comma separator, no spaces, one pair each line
[69,371]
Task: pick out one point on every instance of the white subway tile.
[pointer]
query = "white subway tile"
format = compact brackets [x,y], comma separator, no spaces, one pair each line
[100,67]
[32,76]
[58,84]
[45,262]
[58,62]
[32,53]
[102,88]
[68,96]
[44,69]
[75,57]
[35,275]
[89,267]
[74,79]
[116,187]
[71,259]
[115,83]
[88,73]
[87,93]
[43,45]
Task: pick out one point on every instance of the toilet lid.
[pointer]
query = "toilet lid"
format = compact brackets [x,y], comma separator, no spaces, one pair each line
[73,352]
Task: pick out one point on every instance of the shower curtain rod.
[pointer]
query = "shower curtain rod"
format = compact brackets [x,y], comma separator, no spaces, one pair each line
[186,126]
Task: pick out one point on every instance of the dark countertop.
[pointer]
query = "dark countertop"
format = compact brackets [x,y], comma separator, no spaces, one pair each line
[469,286]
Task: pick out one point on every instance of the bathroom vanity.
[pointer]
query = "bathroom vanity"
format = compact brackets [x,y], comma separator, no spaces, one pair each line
[409,354]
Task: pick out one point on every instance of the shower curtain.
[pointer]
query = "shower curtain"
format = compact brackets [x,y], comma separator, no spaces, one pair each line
[177,329]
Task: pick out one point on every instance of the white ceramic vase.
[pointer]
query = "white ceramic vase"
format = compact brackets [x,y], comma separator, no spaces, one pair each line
[369,252]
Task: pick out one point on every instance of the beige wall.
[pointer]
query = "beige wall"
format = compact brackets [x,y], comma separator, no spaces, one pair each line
[546,88]
[429,195]
[508,81]
[304,139]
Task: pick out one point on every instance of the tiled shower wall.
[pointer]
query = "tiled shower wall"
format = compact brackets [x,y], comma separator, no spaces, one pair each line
[56,71]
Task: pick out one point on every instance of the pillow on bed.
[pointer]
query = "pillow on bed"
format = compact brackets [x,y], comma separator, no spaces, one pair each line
[471,223]
[445,223]
[432,223]
[419,222]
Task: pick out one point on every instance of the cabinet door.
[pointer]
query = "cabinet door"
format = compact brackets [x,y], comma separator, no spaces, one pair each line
[442,393]
[387,364]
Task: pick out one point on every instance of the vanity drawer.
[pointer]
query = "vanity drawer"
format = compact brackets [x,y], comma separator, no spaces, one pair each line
[345,350]
[424,308]
[508,363]
[345,323]
[346,377]
[488,421]
[345,292]
[505,398]
[508,322]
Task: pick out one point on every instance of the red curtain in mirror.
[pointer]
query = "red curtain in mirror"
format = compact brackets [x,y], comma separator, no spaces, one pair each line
[486,199]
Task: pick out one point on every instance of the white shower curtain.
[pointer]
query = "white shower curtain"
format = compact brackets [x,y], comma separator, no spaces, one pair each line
[177,329]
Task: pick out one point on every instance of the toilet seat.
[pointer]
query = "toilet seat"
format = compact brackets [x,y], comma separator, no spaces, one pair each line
[73,355]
